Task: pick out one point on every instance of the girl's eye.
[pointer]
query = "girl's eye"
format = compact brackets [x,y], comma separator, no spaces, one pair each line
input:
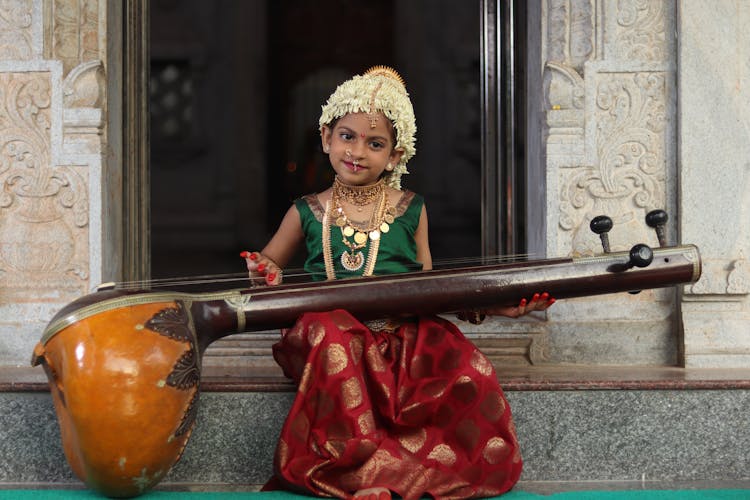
[377,145]
[346,136]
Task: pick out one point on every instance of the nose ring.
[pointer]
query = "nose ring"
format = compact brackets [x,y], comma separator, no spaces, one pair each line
[348,153]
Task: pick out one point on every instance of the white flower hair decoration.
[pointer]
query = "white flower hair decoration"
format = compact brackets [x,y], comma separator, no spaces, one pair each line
[382,89]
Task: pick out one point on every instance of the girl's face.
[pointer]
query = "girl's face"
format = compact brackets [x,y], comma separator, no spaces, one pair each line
[358,152]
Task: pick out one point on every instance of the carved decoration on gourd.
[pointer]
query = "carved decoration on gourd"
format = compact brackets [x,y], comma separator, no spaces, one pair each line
[125,384]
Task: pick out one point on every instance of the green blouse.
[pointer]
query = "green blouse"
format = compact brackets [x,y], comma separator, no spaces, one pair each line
[397,252]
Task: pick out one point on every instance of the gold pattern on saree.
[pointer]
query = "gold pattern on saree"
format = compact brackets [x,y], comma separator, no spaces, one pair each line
[492,407]
[366,423]
[282,452]
[351,393]
[385,390]
[356,346]
[435,388]
[316,334]
[306,379]
[335,359]
[414,441]
[496,450]
[294,336]
[375,359]
[480,363]
[443,454]
[465,389]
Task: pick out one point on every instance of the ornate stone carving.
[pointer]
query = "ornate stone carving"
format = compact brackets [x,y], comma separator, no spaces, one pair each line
[43,208]
[738,281]
[722,277]
[570,32]
[640,33]
[84,86]
[570,43]
[75,32]
[15,30]
[629,141]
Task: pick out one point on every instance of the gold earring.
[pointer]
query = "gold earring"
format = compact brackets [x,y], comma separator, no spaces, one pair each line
[325,149]
[389,167]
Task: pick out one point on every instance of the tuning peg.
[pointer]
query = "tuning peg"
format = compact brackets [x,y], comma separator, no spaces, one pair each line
[601,226]
[641,256]
[657,219]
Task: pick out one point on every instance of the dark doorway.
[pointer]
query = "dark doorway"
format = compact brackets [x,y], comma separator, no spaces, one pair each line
[236,89]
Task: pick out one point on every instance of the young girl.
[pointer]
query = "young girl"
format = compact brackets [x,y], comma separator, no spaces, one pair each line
[405,406]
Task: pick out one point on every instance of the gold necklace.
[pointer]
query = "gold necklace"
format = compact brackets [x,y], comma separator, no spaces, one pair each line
[382,216]
[359,196]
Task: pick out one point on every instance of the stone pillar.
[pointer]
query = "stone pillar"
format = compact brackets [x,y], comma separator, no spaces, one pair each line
[609,101]
[714,159]
[51,160]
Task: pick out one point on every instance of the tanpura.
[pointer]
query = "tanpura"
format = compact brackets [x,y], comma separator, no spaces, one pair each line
[124,365]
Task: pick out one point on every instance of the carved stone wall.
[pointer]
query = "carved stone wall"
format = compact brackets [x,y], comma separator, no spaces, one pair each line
[714,159]
[51,158]
[620,143]
[609,71]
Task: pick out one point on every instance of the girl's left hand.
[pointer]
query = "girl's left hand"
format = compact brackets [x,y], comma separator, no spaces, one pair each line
[539,302]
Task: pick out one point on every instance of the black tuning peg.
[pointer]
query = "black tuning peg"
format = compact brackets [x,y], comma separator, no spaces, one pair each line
[657,219]
[641,256]
[601,225]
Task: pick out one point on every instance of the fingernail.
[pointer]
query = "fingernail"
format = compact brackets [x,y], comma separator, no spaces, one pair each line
[254,256]
[261,267]
[535,297]
[552,301]
[244,254]
[545,296]
[270,277]
[523,302]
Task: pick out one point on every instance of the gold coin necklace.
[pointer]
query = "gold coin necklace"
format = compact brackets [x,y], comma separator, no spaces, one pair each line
[356,235]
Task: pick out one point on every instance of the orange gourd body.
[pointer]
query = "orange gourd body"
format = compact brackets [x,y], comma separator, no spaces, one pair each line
[125,386]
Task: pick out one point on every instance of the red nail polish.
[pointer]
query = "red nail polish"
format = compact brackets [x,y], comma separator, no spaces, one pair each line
[535,297]
[254,256]
[523,302]
[244,254]
[552,301]
[545,296]
[261,268]
[270,277]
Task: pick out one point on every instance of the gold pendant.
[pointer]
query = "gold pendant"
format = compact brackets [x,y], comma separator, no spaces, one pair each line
[352,262]
[348,231]
[388,218]
[374,235]
[360,238]
[341,221]
[384,227]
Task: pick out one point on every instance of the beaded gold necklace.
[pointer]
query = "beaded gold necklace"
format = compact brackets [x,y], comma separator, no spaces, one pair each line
[382,216]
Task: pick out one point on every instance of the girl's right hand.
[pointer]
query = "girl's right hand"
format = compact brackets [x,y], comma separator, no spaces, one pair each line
[262,270]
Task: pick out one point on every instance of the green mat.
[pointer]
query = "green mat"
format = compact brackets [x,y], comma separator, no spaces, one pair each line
[275,495]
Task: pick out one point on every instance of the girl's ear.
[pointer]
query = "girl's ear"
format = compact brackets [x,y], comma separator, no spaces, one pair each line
[396,155]
[325,138]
